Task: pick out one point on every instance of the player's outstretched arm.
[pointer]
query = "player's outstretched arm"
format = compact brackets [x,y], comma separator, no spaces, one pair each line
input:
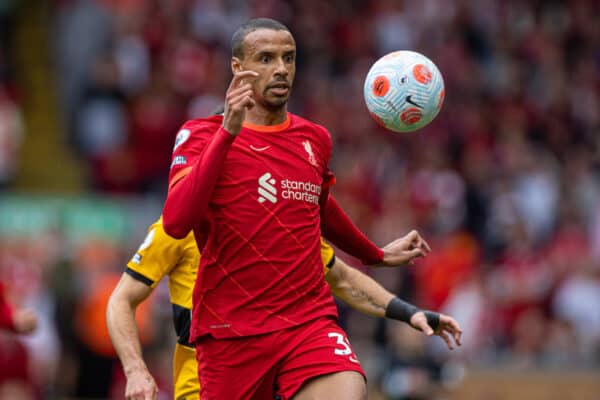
[358,290]
[187,201]
[341,231]
[120,319]
[337,228]
[364,294]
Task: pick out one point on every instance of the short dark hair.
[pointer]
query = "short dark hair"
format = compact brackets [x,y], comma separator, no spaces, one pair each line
[237,40]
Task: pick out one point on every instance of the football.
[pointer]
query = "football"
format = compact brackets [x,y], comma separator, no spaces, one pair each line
[404,91]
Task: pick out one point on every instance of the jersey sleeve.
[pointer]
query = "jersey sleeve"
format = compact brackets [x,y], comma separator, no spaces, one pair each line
[337,227]
[335,224]
[327,255]
[189,143]
[156,256]
[190,190]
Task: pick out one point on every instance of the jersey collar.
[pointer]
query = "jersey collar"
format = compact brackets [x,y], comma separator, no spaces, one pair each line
[270,128]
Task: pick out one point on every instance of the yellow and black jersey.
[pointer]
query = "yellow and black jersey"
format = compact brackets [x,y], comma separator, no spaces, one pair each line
[160,255]
[327,255]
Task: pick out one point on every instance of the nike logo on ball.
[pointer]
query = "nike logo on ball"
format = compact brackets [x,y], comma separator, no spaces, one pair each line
[259,148]
[410,101]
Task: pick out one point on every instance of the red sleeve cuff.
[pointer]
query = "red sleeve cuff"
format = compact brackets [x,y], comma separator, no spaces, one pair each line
[223,134]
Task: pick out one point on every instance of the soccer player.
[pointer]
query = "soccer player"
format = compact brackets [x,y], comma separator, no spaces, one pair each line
[161,255]
[253,185]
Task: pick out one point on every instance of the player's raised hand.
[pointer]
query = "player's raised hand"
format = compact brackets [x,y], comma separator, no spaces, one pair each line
[447,328]
[238,99]
[141,386]
[403,250]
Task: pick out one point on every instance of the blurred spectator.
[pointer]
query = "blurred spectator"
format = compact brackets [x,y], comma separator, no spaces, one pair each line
[575,302]
[409,374]
[94,264]
[11,119]
[132,54]
[15,371]
[11,136]
[452,264]
[102,123]
[83,32]
[528,335]
[26,266]
[155,116]
[472,303]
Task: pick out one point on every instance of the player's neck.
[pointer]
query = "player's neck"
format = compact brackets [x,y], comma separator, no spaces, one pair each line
[263,116]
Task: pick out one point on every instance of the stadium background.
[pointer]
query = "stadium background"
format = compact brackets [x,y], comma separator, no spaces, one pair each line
[504,183]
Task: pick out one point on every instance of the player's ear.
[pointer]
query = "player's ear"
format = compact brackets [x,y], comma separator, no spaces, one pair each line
[236,65]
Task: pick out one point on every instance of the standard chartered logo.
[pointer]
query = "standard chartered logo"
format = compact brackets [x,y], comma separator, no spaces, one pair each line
[306,191]
[266,189]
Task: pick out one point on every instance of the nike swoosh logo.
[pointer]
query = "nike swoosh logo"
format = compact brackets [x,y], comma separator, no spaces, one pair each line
[410,101]
[260,148]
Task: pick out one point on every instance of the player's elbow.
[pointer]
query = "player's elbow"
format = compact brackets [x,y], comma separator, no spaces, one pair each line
[120,303]
[112,307]
[118,300]
[336,278]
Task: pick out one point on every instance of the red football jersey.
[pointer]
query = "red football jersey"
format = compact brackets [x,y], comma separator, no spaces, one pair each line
[261,267]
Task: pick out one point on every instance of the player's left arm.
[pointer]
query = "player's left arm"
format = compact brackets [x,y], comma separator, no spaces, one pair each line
[123,331]
[341,231]
[337,227]
[364,294]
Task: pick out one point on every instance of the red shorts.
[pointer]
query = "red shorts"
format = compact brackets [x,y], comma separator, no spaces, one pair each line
[276,363]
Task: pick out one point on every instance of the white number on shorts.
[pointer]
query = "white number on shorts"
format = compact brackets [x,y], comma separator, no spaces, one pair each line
[342,341]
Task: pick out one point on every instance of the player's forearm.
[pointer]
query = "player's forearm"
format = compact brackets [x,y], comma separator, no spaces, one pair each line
[339,230]
[122,328]
[187,202]
[362,293]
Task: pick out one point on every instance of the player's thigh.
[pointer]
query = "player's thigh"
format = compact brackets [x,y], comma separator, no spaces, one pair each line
[318,351]
[345,385]
[241,369]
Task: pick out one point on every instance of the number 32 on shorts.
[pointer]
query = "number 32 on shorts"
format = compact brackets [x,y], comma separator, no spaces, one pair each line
[345,349]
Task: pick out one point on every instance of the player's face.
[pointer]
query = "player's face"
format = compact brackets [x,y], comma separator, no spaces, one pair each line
[272,54]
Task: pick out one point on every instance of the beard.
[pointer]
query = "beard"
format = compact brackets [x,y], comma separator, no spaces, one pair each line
[274,103]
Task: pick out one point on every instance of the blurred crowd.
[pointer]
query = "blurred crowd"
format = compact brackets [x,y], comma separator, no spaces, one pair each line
[504,183]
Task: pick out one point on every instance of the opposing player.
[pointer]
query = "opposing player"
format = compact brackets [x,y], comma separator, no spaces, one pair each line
[161,255]
[253,185]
